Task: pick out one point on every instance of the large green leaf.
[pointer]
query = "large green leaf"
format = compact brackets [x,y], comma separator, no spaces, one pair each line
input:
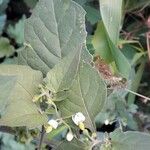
[111,12]
[61,76]
[87,95]
[130,140]
[6,85]
[20,110]
[73,145]
[55,28]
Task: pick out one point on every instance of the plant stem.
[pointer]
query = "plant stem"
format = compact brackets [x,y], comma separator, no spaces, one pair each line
[41,138]
[140,95]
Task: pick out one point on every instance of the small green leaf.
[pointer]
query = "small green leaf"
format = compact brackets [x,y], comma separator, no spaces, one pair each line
[111,12]
[55,28]
[20,110]
[87,95]
[62,75]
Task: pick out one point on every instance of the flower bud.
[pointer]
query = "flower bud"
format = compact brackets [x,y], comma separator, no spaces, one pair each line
[82,126]
[36,98]
[48,129]
[69,136]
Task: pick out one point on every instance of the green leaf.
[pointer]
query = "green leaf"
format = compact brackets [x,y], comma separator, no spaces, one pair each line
[136,4]
[55,28]
[121,61]
[3,5]
[100,43]
[109,52]
[130,140]
[2,22]
[17,32]
[73,145]
[82,2]
[5,48]
[135,83]
[93,15]
[56,132]
[6,85]
[20,110]
[111,12]
[61,76]
[8,142]
[87,95]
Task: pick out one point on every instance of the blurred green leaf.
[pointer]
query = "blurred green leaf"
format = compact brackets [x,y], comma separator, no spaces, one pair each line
[6,49]
[136,82]
[93,15]
[82,2]
[109,52]
[100,43]
[2,22]
[8,143]
[3,6]
[20,110]
[135,4]
[111,12]
[17,32]
[130,140]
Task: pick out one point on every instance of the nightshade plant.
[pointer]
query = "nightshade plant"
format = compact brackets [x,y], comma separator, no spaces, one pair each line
[55,87]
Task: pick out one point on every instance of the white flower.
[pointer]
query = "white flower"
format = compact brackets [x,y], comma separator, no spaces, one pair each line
[106,122]
[53,123]
[69,136]
[78,118]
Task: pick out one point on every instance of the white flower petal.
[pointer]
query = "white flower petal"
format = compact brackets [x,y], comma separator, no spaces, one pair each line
[78,117]
[53,123]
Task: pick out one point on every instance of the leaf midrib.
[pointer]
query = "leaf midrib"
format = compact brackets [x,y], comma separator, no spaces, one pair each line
[80,90]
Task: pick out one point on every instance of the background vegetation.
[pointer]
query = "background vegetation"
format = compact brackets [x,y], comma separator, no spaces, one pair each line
[118,39]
